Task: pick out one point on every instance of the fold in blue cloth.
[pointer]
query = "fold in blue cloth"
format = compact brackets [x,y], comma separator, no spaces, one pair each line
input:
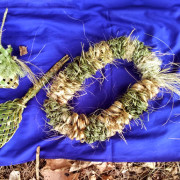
[51,29]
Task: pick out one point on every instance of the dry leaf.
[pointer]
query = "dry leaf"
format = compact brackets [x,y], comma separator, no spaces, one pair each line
[102,167]
[74,176]
[54,175]
[14,175]
[78,165]
[124,171]
[57,164]
[151,165]
[58,174]
[23,50]
[106,177]
[58,169]
[93,177]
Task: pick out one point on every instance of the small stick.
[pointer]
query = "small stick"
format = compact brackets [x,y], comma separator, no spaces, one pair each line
[37,162]
[2,25]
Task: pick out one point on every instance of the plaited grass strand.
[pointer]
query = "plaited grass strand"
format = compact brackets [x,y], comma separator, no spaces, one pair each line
[135,100]
[114,118]
[146,62]
[68,82]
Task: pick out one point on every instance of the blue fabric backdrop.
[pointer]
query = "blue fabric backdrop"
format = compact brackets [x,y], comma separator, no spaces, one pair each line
[50,29]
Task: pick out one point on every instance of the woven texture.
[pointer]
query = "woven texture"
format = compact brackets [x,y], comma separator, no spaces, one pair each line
[10,116]
[105,124]
[10,71]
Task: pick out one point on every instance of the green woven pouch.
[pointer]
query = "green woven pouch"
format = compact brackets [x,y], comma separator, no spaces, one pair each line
[10,117]
[11,68]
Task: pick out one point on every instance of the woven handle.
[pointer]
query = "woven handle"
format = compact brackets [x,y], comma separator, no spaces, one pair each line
[36,88]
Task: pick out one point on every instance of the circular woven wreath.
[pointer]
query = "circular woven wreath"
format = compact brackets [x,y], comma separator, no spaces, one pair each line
[99,126]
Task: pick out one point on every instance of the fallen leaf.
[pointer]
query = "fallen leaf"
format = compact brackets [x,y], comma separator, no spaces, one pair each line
[74,176]
[23,50]
[93,177]
[78,165]
[124,171]
[57,164]
[106,177]
[151,165]
[14,175]
[54,174]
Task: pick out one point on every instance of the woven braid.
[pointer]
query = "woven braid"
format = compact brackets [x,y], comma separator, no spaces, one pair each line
[146,62]
[135,100]
[7,127]
[67,83]
[115,118]
[120,113]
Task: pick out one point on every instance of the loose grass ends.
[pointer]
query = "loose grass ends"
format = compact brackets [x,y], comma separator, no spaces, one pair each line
[170,81]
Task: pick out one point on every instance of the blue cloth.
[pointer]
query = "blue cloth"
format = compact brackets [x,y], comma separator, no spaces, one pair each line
[50,29]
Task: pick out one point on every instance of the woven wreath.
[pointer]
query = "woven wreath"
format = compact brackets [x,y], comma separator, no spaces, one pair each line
[102,125]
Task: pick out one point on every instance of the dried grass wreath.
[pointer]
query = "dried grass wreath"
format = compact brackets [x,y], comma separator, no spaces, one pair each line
[102,125]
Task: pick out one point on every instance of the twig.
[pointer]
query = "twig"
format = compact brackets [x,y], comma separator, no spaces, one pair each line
[3,21]
[37,162]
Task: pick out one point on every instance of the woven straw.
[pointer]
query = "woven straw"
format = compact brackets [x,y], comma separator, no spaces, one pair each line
[9,82]
[9,119]
[11,111]
[103,124]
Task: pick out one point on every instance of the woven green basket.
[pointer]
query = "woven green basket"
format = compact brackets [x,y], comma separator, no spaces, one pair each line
[11,69]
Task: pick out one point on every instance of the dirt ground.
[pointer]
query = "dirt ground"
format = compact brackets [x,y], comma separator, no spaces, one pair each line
[61,169]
